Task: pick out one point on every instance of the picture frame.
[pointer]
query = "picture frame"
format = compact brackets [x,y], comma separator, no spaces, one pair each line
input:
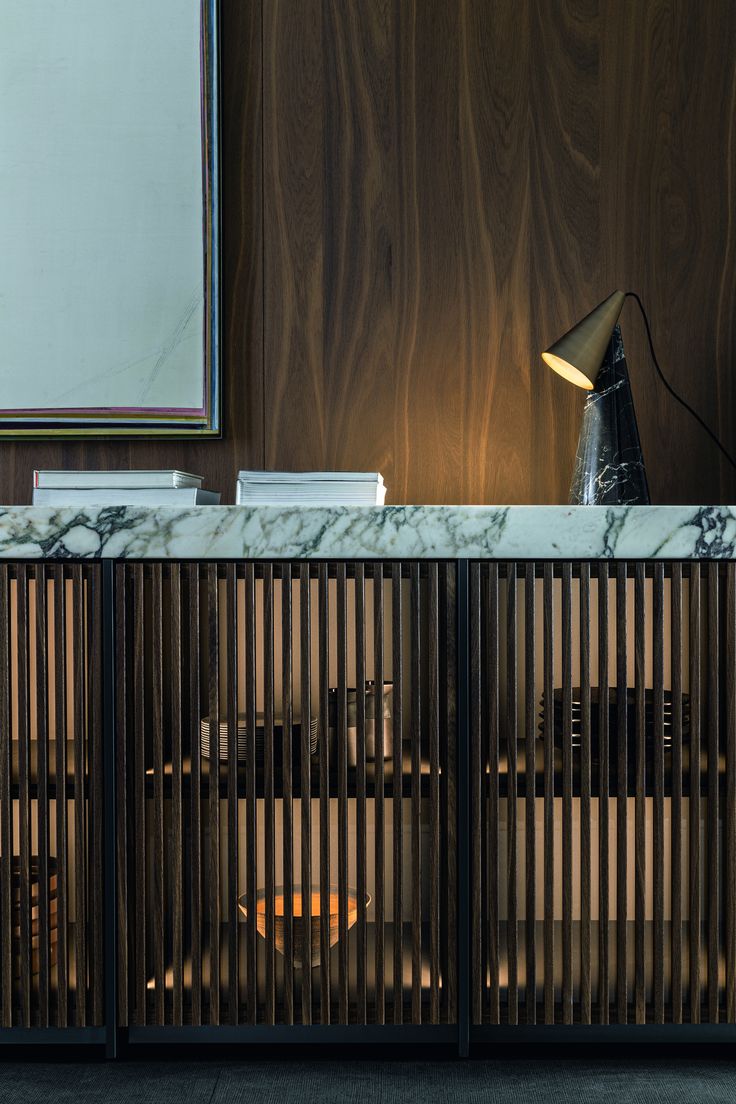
[113,275]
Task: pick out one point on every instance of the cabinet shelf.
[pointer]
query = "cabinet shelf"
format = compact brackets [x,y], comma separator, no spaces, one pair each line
[557,778]
[261,947]
[295,791]
[33,775]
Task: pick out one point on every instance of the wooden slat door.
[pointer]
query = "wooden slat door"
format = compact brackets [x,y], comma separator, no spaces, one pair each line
[307,875]
[603,814]
[51,817]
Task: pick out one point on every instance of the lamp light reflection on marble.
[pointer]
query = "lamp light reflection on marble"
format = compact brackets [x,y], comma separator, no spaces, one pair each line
[609,466]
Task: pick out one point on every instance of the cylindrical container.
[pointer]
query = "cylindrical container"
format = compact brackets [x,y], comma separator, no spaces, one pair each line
[370,722]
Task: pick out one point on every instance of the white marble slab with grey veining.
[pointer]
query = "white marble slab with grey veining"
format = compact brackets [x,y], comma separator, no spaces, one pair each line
[367,532]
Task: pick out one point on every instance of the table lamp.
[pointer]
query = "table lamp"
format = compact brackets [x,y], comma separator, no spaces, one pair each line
[609,466]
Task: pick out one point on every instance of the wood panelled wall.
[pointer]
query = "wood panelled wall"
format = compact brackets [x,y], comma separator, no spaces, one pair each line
[419,195]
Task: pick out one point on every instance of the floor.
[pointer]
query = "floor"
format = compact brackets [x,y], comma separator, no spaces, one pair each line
[472,1082]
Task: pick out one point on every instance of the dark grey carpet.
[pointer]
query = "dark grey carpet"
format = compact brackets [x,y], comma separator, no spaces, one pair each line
[532,1082]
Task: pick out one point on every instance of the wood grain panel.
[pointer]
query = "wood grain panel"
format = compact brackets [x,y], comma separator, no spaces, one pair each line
[448,187]
[667,184]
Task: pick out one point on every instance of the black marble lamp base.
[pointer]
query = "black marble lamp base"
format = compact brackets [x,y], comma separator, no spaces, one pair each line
[609,466]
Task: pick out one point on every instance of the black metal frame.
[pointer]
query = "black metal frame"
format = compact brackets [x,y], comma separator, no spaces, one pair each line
[462,1036]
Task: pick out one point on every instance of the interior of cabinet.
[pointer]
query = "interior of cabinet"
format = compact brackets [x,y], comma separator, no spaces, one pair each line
[604,885]
[50,797]
[370,829]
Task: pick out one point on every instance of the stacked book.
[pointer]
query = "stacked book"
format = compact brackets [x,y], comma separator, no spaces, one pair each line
[120,488]
[264,488]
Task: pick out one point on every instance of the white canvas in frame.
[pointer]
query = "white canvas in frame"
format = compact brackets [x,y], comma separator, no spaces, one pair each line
[104,268]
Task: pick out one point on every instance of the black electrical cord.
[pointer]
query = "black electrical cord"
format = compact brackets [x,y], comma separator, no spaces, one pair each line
[670,388]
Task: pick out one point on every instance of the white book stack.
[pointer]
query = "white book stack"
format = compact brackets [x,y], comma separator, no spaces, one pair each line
[263,488]
[120,488]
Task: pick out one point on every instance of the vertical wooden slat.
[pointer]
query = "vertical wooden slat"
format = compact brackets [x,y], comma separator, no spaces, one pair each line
[676,817]
[549,796]
[714,862]
[139,793]
[476,790]
[491,681]
[157,737]
[729,842]
[416,798]
[24,808]
[360,793]
[640,795]
[42,805]
[60,724]
[177,818]
[621,793]
[123,853]
[251,854]
[397,653]
[434,792]
[585,804]
[6,812]
[305,666]
[567,903]
[268,790]
[287,717]
[80,841]
[94,729]
[342,790]
[512,927]
[195,709]
[380,801]
[231,706]
[658,828]
[695,864]
[603,797]
[324,790]
[448,766]
[213,793]
[530,705]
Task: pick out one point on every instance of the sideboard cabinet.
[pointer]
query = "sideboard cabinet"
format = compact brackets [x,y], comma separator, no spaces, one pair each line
[394,782]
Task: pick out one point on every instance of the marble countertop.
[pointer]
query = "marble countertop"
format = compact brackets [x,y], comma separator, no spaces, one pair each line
[369,532]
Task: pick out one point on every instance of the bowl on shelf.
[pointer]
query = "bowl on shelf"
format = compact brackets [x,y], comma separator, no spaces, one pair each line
[301,954]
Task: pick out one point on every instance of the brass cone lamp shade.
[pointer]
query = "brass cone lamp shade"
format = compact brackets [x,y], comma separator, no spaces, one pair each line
[579,354]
